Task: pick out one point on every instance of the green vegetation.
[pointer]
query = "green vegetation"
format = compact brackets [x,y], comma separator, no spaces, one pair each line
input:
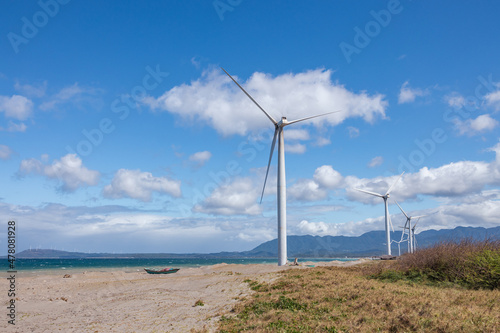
[399,299]
[199,303]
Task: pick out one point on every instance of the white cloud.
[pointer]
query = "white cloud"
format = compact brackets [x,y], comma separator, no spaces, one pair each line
[493,99]
[31,90]
[451,180]
[483,123]
[327,177]
[214,99]
[296,134]
[236,198]
[320,142]
[376,161]
[455,100]
[313,228]
[140,185]
[13,127]
[316,189]
[72,94]
[16,106]
[408,95]
[69,170]
[201,157]
[353,132]
[307,190]
[295,148]
[5,152]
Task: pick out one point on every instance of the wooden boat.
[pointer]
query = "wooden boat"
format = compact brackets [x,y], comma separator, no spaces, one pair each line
[161,271]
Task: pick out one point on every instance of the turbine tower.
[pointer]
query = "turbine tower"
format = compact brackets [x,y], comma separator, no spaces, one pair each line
[411,231]
[278,132]
[387,216]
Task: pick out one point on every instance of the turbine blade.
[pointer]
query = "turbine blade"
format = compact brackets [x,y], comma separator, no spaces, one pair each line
[269,163]
[418,217]
[390,222]
[253,100]
[401,209]
[302,119]
[372,193]
[390,188]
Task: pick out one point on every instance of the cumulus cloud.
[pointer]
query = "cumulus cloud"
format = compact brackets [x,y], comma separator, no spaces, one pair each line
[307,190]
[455,100]
[239,197]
[313,228]
[140,185]
[376,161]
[327,177]
[408,95]
[16,106]
[215,100]
[451,180]
[201,157]
[316,189]
[493,99]
[69,170]
[483,123]
[457,179]
[5,152]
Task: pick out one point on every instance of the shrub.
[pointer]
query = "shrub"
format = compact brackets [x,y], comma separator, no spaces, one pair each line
[472,264]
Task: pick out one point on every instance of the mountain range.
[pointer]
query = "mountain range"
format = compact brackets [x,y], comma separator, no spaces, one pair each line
[368,244]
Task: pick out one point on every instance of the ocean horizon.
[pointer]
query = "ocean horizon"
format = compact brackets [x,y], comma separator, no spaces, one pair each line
[133,264]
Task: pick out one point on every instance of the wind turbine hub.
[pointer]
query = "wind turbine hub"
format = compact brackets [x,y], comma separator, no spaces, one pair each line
[282,122]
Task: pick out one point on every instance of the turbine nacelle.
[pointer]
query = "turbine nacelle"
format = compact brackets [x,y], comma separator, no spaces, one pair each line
[283,122]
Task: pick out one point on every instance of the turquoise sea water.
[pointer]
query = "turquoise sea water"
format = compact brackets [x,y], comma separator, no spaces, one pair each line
[101,264]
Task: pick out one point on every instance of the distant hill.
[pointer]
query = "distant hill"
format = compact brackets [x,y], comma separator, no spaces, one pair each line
[369,244]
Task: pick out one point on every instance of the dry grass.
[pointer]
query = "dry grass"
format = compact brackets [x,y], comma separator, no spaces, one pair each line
[340,299]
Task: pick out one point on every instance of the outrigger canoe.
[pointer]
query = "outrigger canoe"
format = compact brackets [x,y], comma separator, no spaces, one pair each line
[161,271]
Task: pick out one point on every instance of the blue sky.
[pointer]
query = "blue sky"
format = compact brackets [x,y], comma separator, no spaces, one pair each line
[119,132]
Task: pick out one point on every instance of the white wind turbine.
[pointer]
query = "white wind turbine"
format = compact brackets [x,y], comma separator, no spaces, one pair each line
[411,231]
[278,132]
[387,216]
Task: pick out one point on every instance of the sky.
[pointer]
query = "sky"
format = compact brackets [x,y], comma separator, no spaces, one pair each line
[119,131]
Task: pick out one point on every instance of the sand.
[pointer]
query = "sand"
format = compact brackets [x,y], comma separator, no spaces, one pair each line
[134,301]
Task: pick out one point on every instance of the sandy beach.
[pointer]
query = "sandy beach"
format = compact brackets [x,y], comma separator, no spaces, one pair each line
[134,301]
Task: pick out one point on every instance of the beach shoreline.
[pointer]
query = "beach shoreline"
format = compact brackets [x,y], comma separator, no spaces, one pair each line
[118,300]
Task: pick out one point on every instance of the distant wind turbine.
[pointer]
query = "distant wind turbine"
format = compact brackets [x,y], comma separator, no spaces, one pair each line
[278,132]
[387,216]
[411,231]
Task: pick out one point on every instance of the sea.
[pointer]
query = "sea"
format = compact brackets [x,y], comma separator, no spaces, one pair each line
[54,266]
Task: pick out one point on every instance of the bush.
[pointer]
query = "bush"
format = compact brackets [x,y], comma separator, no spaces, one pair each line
[472,264]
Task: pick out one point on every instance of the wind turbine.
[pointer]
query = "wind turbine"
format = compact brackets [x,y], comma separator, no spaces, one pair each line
[411,231]
[387,216]
[278,132]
